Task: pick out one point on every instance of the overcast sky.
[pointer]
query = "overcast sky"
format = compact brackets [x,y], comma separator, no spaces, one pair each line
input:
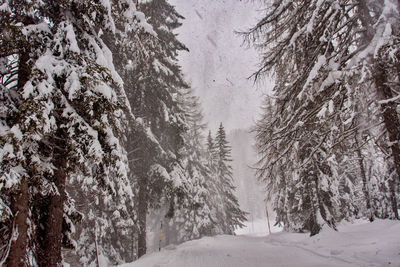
[217,65]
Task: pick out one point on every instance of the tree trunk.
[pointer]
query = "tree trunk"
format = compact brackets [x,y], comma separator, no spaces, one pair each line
[364,180]
[389,113]
[52,241]
[142,214]
[384,92]
[20,198]
[313,224]
[393,197]
[19,207]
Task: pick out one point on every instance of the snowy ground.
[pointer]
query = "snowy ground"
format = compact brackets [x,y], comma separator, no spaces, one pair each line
[258,227]
[359,244]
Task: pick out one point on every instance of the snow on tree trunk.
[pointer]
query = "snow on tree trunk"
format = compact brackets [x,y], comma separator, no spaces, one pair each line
[389,113]
[19,206]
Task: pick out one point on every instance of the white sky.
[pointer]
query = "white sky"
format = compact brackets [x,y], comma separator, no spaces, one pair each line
[217,65]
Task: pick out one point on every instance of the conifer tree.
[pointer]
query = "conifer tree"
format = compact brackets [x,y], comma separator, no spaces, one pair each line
[322,64]
[70,124]
[213,185]
[117,231]
[192,218]
[233,215]
[154,102]
[15,72]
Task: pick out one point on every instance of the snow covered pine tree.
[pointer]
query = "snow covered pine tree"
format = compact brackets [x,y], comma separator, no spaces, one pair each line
[232,215]
[59,121]
[192,217]
[308,139]
[154,102]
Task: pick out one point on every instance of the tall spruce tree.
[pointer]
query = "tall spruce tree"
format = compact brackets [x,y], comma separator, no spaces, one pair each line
[65,114]
[192,218]
[114,230]
[233,215]
[213,185]
[154,102]
[15,70]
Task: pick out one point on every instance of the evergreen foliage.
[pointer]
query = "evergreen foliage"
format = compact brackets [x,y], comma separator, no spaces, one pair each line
[233,216]
[67,117]
[192,218]
[334,64]
[228,215]
[154,102]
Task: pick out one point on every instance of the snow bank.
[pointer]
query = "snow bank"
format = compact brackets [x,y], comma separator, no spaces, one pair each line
[358,244]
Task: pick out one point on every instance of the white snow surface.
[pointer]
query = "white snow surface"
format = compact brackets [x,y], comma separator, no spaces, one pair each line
[358,244]
[258,227]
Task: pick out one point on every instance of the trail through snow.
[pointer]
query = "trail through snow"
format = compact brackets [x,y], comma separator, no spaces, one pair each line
[359,244]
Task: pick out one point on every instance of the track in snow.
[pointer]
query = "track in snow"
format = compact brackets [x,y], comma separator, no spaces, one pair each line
[363,244]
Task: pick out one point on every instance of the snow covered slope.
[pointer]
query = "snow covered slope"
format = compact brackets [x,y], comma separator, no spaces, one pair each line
[360,244]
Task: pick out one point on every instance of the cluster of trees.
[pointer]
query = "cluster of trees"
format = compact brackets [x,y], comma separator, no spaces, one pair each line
[330,132]
[98,129]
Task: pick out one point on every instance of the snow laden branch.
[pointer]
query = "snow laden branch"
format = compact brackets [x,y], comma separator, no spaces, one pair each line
[336,67]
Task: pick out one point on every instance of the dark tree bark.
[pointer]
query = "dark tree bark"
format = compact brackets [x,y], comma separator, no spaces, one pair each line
[19,207]
[384,92]
[52,240]
[313,225]
[364,180]
[142,214]
[392,125]
[393,197]
[389,113]
[139,164]
[19,198]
